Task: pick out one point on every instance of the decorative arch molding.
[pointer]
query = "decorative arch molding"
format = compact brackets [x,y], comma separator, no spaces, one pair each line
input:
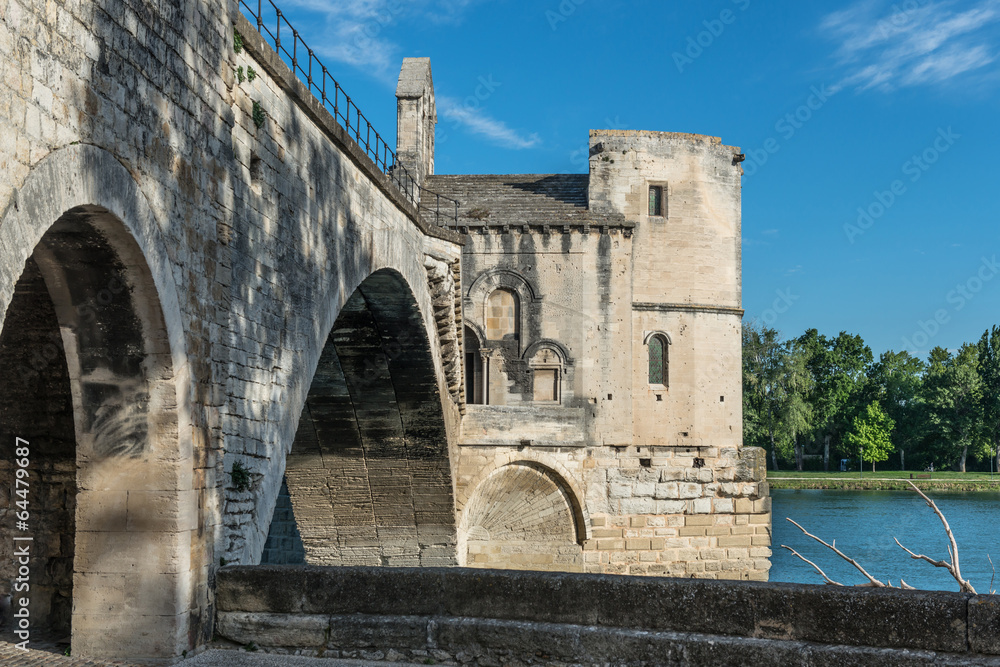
[475,302]
[492,279]
[663,334]
[544,464]
[547,343]
[476,330]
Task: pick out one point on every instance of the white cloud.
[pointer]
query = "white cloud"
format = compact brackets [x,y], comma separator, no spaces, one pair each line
[914,42]
[356,32]
[478,122]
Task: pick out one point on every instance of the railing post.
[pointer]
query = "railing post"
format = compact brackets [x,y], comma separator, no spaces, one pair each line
[277,32]
[260,15]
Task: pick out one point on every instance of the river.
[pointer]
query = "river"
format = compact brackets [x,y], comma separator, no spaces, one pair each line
[863,524]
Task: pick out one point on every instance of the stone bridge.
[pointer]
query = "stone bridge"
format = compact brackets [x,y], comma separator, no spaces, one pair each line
[210,291]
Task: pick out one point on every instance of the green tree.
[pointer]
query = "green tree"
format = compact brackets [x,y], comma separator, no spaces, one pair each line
[838,369]
[871,434]
[796,412]
[895,381]
[762,353]
[989,374]
[953,391]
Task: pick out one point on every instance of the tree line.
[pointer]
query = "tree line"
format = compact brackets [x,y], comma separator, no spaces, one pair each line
[815,396]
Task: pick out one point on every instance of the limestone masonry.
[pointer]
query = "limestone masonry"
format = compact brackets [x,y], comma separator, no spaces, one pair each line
[237,328]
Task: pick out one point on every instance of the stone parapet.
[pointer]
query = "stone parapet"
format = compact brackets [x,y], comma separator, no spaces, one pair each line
[479,617]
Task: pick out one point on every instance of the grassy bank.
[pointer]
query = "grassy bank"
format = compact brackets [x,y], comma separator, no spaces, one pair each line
[893,480]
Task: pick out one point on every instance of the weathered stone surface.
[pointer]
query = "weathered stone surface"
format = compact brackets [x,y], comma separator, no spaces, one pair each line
[228,291]
[984,624]
[267,629]
[494,616]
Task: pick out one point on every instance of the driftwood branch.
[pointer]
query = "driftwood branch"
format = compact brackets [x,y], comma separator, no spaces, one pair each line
[952,566]
[821,572]
[994,576]
[872,581]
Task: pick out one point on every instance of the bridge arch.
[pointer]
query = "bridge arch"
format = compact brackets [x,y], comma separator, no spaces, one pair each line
[523,513]
[93,355]
[369,473]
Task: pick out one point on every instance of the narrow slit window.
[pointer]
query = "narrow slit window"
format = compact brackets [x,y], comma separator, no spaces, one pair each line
[658,361]
[656,200]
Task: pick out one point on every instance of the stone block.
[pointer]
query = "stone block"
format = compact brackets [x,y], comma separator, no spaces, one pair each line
[984,624]
[274,630]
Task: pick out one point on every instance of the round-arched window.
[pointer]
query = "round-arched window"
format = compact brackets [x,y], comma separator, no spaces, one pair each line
[658,360]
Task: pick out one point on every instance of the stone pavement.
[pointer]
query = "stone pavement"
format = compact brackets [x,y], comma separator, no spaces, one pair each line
[47,655]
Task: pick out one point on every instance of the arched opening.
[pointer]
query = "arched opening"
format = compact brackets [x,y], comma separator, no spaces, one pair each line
[369,475]
[89,413]
[659,360]
[475,383]
[522,517]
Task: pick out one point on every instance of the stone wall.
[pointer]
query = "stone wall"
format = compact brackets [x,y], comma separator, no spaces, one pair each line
[461,616]
[657,466]
[226,222]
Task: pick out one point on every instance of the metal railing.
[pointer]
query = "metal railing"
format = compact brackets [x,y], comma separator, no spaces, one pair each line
[309,70]
[445,218]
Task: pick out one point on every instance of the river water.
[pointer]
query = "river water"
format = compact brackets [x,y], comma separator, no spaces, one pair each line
[863,524]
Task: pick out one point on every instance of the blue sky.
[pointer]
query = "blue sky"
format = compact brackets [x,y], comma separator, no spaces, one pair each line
[870,202]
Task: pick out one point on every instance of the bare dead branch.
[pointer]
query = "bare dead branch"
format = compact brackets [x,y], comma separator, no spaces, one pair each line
[905,586]
[953,566]
[872,581]
[821,572]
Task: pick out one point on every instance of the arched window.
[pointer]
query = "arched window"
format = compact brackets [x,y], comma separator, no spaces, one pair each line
[475,385]
[659,362]
[502,314]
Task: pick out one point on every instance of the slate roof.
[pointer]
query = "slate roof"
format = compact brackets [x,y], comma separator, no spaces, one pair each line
[516,200]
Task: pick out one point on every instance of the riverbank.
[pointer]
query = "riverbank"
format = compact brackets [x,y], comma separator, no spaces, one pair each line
[889,481]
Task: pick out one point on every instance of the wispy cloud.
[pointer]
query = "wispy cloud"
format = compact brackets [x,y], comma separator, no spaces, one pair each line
[477,121]
[354,31]
[358,33]
[913,43]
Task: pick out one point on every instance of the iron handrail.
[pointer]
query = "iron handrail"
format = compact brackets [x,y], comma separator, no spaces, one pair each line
[436,209]
[341,106]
